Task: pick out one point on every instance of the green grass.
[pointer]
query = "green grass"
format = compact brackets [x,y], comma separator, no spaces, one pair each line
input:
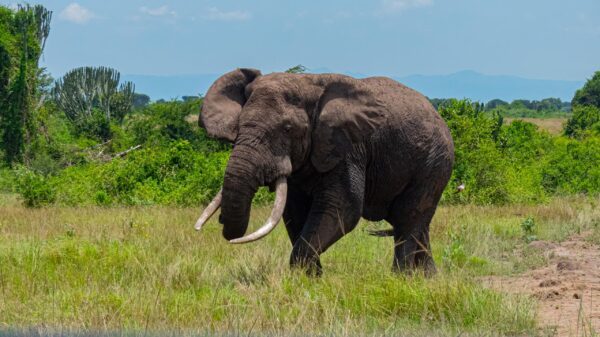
[146,269]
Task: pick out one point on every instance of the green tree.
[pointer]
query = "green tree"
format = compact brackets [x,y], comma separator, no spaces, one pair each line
[585,118]
[589,94]
[140,100]
[160,124]
[23,34]
[550,104]
[299,69]
[586,109]
[92,98]
[495,103]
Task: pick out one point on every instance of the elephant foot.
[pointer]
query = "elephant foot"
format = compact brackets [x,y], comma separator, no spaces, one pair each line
[419,264]
[307,260]
[311,265]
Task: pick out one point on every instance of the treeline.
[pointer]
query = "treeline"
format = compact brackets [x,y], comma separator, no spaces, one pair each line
[175,164]
[546,108]
[88,139]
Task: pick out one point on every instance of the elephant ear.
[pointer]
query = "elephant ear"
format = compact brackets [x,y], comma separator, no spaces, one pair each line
[347,116]
[223,103]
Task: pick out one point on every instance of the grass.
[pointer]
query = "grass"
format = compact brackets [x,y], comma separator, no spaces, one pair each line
[554,125]
[146,270]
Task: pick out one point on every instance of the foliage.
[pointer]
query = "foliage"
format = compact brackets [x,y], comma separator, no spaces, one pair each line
[92,98]
[177,174]
[516,163]
[528,226]
[34,188]
[164,122]
[7,181]
[589,94]
[546,108]
[140,100]
[299,69]
[585,120]
[178,164]
[573,167]
[23,34]
[478,162]
[495,103]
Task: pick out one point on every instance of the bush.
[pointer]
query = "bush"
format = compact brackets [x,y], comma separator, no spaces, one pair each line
[174,175]
[179,165]
[585,121]
[590,93]
[34,188]
[162,123]
[573,167]
[498,164]
[7,181]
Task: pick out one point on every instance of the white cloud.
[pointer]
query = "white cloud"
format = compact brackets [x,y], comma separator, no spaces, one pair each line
[76,13]
[216,14]
[159,11]
[400,5]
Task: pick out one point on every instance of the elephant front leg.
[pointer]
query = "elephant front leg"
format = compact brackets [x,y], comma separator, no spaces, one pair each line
[335,211]
[296,212]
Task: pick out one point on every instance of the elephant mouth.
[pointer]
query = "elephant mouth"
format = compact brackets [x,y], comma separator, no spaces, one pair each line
[279,186]
[273,184]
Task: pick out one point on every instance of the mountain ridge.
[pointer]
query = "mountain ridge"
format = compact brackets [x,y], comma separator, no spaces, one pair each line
[462,84]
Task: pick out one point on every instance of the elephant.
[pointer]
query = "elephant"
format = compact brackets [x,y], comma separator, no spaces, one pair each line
[333,149]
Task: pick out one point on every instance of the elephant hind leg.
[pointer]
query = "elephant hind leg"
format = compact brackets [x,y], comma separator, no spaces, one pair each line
[410,215]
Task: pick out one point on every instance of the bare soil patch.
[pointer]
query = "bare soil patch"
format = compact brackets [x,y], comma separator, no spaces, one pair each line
[567,288]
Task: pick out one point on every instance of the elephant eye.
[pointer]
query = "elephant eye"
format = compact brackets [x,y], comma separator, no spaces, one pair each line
[287,128]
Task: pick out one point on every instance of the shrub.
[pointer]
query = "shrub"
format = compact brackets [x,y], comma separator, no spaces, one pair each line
[7,181]
[176,175]
[585,121]
[590,93]
[34,188]
[498,164]
[179,165]
[528,227]
[573,167]
[162,123]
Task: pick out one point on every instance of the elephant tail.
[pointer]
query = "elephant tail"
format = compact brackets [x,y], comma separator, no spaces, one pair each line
[382,233]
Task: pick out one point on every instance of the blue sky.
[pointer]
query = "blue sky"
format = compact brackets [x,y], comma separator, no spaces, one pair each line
[545,39]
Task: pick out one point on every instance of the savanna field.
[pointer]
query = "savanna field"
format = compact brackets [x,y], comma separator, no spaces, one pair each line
[144,269]
[100,187]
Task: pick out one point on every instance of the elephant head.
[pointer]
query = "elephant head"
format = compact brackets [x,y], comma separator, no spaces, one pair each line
[280,123]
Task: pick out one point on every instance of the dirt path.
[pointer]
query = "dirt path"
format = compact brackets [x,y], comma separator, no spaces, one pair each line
[567,289]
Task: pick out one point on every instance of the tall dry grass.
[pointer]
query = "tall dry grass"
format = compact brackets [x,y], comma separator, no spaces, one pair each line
[146,270]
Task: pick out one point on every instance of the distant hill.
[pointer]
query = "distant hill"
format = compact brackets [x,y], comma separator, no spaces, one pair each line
[464,84]
[480,87]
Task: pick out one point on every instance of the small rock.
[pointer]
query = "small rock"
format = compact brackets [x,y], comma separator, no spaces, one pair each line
[550,295]
[567,265]
[542,245]
[549,283]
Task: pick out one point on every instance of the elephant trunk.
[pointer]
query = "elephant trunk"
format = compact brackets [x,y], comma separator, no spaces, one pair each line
[239,186]
[243,176]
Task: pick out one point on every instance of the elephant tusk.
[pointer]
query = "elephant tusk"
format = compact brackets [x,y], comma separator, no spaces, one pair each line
[276,214]
[209,210]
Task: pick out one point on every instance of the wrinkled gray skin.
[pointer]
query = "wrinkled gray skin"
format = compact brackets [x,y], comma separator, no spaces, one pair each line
[349,148]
